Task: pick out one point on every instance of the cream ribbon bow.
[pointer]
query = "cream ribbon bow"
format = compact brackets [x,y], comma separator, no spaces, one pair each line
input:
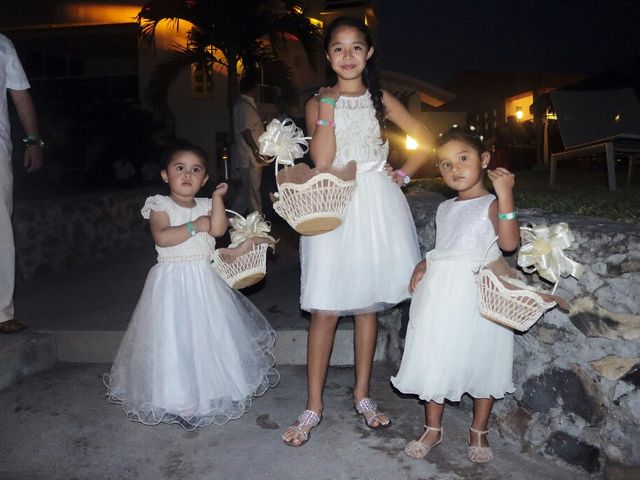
[542,251]
[254,225]
[283,142]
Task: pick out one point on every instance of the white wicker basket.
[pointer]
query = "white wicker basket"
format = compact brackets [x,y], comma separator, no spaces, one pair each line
[311,202]
[517,309]
[244,265]
[505,303]
[315,206]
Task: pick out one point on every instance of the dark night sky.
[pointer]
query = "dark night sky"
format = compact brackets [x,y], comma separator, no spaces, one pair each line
[434,39]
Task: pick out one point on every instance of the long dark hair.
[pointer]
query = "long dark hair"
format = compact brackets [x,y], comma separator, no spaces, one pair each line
[370,75]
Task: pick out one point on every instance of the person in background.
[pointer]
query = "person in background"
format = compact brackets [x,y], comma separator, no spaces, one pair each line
[13,81]
[245,155]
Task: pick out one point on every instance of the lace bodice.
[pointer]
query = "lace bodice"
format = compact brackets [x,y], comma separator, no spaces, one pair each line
[196,247]
[465,224]
[358,134]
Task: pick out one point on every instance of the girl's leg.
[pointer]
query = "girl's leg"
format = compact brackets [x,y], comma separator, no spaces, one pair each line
[481,413]
[433,414]
[319,344]
[322,332]
[433,433]
[365,339]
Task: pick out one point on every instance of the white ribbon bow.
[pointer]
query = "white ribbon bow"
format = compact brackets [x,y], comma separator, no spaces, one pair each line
[542,251]
[283,141]
[254,225]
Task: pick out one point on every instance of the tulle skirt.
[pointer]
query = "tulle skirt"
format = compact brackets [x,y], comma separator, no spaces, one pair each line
[365,264]
[450,349]
[196,352]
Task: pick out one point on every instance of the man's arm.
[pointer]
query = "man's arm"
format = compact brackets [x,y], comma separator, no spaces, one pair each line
[248,138]
[27,114]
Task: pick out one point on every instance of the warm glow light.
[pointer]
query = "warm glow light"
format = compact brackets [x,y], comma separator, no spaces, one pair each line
[411,143]
[95,13]
[315,22]
[519,113]
[519,107]
[617,117]
[552,116]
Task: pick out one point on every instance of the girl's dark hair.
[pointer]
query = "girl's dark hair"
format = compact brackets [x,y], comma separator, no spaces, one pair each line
[469,135]
[178,146]
[370,75]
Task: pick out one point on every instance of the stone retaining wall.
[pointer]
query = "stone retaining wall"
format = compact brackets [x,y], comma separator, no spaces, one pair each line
[577,374]
[54,235]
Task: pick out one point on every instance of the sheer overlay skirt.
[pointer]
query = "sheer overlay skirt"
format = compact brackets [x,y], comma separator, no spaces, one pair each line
[196,352]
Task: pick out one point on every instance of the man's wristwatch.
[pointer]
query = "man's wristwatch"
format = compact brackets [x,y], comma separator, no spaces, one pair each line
[405,178]
[33,140]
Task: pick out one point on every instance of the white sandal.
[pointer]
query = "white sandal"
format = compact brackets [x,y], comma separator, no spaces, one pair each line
[417,448]
[478,453]
[309,418]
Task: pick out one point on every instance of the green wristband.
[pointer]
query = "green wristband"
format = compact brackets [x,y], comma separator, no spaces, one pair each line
[329,101]
[507,216]
[192,231]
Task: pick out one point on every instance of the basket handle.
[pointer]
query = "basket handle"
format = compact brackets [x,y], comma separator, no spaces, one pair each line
[486,251]
[235,213]
[484,255]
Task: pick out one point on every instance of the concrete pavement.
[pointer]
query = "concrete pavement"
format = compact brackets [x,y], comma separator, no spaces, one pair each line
[57,424]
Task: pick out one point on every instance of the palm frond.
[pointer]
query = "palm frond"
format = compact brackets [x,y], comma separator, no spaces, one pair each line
[275,69]
[299,26]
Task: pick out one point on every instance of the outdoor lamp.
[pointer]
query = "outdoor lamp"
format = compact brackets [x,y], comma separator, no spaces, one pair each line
[411,144]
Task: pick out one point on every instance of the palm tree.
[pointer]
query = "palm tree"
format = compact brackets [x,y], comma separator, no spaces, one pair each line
[253,33]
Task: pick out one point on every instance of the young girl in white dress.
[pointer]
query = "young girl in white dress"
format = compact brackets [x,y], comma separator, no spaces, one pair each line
[196,351]
[450,348]
[363,266]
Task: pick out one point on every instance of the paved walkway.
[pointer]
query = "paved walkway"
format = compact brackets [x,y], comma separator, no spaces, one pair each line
[59,425]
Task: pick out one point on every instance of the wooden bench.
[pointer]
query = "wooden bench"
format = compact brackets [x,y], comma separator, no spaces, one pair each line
[627,145]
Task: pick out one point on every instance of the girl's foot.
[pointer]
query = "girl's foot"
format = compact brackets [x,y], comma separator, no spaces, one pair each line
[479,450]
[373,417]
[422,446]
[298,433]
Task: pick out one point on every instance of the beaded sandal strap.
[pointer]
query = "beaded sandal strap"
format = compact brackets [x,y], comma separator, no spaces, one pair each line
[366,405]
[308,417]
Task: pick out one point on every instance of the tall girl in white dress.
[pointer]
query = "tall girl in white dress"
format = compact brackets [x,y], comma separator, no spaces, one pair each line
[363,266]
[196,352]
[450,348]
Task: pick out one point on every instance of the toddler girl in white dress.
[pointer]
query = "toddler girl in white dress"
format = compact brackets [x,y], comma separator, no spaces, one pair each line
[196,352]
[450,348]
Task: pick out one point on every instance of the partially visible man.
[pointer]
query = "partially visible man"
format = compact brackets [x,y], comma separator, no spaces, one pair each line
[14,81]
[247,127]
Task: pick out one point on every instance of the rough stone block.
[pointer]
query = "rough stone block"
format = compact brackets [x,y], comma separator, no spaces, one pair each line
[574,451]
[613,367]
[594,321]
[570,390]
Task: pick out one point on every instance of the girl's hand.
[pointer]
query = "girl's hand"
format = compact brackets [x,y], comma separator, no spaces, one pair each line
[503,181]
[328,92]
[202,224]
[398,180]
[388,169]
[417,275]
[221,190]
